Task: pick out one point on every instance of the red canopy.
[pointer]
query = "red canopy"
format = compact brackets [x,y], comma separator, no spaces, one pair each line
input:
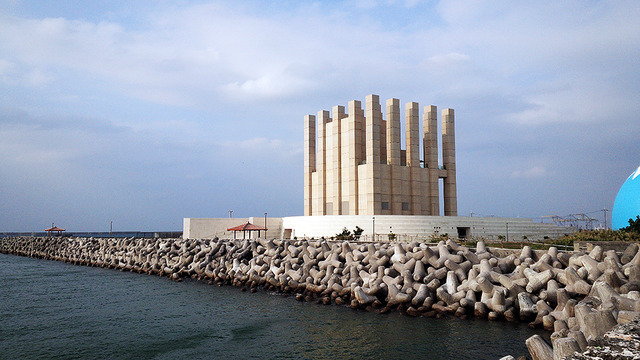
[247,227]
[55,228]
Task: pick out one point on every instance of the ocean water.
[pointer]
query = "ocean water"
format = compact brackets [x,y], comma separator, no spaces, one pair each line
[54,310]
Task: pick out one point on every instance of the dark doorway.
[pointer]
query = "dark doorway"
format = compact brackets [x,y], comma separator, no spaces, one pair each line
[463,232]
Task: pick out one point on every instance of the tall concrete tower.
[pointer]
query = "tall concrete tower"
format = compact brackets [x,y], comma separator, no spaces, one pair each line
[354,163]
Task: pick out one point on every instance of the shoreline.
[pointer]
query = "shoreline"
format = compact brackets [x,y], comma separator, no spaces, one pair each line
[568,294]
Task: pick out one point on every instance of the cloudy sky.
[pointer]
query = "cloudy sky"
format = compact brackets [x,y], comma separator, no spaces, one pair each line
[146,112]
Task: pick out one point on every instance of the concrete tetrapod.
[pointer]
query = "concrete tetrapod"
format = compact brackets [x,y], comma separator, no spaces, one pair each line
[539,349]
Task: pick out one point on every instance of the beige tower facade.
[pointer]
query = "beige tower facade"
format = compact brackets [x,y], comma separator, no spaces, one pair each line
[354,163]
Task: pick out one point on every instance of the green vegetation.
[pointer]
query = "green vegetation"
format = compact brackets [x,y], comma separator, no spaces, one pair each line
[634,225]
[471,243]
[629,233]
[348,235]
[344,235]
[597,235]
[436,238]
[357,232]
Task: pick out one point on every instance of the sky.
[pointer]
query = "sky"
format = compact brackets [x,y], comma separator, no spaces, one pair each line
[142,113]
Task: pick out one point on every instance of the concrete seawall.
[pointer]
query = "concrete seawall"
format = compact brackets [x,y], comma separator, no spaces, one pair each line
[578,296]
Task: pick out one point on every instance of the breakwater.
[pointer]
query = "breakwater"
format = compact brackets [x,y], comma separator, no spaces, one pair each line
[577,296]
[98,234]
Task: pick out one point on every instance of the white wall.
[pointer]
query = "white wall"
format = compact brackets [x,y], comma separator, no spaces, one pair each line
[407,228]
[209,228]
[421,227]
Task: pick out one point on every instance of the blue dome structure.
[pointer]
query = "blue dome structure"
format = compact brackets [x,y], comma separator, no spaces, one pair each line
[627,203]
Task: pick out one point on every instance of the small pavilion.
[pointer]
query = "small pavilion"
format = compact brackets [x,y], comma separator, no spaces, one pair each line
[246,227]
[54,229]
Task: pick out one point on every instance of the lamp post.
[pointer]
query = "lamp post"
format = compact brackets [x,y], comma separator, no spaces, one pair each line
[265,225]
[230,212]
[373,236]
[507,232]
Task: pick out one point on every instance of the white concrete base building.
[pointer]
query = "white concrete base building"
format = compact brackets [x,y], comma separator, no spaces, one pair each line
[378,227]
[421,228]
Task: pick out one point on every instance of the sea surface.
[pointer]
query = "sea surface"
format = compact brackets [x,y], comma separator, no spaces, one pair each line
[54,310]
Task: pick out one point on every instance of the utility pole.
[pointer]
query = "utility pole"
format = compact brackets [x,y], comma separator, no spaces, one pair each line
[605,217]
[265,225]
[230,212]
[507,232]
[374,229]
[111,227]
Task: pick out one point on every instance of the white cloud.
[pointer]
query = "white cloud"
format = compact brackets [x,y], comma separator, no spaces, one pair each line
[230,52]
[267,86]
[448,58]
[39,78]
[216,49]
[260,147]
[531,173]
[5,67]
[579,101]
[370,4]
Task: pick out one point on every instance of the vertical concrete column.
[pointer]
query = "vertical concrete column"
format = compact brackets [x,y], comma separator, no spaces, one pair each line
[393,155]
[430,143]
[361,146]
[362,123]
[336,182]
[393,131]
[383,140]
[351,148]
[425,196]
[412,121]
[361,156]
[309,161]
[449,162]
[373,115]
[321,159]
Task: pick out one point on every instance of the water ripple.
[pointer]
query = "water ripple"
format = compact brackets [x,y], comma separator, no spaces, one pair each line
[53,310]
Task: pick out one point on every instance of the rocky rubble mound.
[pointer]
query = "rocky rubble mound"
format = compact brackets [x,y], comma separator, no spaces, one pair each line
[620,343]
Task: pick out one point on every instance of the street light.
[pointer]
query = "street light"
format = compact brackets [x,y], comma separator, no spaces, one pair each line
[373,238]
[265,225]
[507,232]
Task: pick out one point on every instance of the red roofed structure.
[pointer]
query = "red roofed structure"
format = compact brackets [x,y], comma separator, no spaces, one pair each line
[53,229]
[246,227]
